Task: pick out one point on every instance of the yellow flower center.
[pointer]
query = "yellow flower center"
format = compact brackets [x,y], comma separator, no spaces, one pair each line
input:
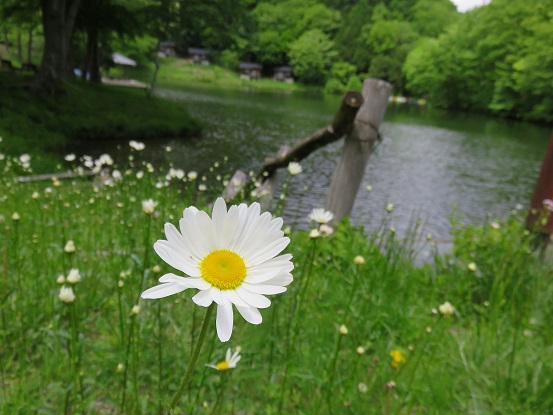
[223,269]
[222,365]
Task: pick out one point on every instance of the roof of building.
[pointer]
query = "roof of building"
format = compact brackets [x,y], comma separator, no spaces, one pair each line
[122,60]
[198,51]
[283,68]
[167,44]
[250,65]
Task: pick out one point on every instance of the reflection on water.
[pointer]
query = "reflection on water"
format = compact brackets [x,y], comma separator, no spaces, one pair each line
[428,163]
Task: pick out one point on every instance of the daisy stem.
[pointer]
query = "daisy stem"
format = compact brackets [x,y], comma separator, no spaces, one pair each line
[125,370]
[186,379]
[222,388]
[159,356]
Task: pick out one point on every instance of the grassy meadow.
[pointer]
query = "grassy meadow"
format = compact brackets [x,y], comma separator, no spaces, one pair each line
[370,335]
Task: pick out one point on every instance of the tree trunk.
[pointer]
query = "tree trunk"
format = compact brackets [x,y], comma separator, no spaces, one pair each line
[93,63]
[30,46]
[150,92]
[6,40]
[19,47]
[58,21]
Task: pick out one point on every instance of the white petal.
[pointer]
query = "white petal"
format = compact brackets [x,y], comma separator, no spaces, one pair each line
[216,295]
[176,258]
[192,209]
[186,249]
[251,315]
[163,290]
[218,215]
[255,236]
[207,230]
[235,299]
[253,299]
[283,279]
[249,223]
[224,321]
[192,235]
[268,252]
[264,289]
[198,283]
[256,275]
[229,231]
[203,298]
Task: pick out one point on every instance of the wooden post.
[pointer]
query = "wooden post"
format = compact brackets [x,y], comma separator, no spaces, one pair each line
[358,146]
[539,219]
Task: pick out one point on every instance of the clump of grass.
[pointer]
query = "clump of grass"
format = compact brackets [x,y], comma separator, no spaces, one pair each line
[401,352]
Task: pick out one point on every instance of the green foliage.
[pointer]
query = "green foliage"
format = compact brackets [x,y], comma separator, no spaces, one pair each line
[432,17]
[311,55]
[492,60]
[280,24]
[342,78]
[334,87]
[229,59]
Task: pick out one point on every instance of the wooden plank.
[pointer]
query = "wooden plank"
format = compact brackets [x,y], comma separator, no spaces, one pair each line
[50,176]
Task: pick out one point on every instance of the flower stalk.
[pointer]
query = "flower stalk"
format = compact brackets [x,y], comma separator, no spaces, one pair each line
[193,359]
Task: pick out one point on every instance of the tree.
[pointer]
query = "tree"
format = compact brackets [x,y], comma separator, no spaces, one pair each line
[495,59]
[388,40]
[98,19]
[25,15]
[58,22]
[432,17]
[312,56]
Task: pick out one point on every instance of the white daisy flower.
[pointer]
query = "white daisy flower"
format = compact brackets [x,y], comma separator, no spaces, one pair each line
[294,168]
[149,206]
[320,215]
[66,295]
[231,258]
[136,145]
[230,361]
[446,309]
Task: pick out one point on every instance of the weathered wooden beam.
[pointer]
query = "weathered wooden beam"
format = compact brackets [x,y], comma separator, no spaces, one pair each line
[358,146]
[341,125]
[50,176]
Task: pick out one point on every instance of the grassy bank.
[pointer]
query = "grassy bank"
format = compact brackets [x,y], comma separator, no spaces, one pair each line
[399,355]
[37,124]
[180,72]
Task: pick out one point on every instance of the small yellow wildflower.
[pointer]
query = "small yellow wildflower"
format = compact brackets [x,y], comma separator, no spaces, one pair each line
[397,359]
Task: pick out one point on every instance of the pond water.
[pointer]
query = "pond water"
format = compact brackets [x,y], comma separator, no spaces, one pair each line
[429,163]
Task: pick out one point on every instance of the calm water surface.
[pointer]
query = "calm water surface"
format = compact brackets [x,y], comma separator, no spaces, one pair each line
[429,164]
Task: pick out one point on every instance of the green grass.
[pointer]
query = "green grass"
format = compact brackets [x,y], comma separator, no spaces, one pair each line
[38,124]
[175,71]
[493,356]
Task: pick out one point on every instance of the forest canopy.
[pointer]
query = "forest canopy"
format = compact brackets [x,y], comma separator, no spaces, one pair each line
[493,59]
